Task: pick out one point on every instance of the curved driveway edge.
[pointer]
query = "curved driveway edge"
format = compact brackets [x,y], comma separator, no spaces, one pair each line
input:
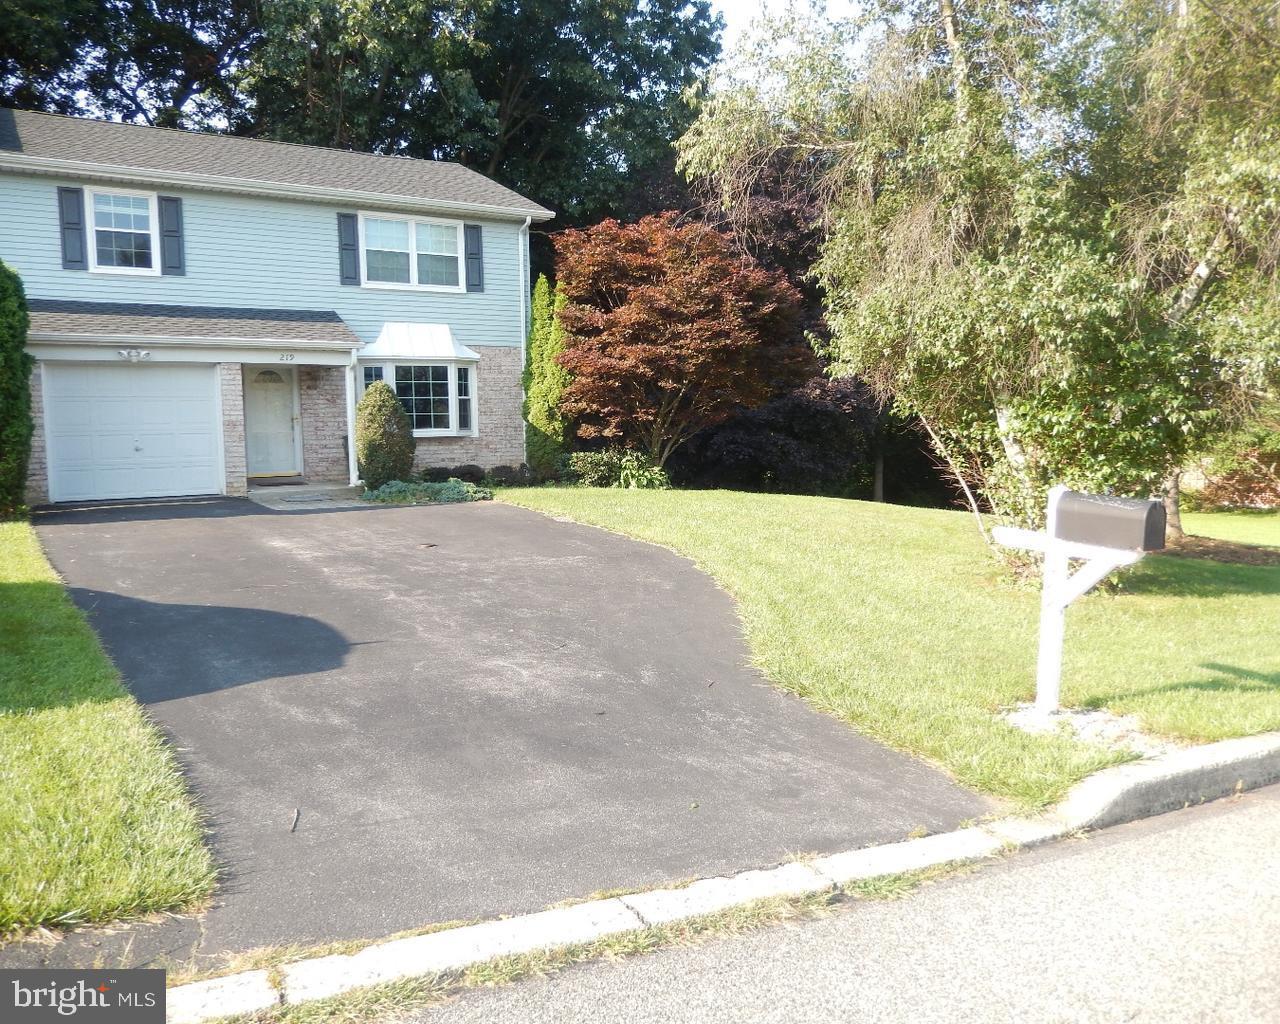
[1111,797]
[468,710]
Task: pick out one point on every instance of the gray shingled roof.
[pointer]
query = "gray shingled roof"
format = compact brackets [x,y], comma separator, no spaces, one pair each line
[146,320]
[161,151]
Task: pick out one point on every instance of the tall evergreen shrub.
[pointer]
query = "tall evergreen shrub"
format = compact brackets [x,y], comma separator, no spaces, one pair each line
[544,380]
[15,393]
[384,437]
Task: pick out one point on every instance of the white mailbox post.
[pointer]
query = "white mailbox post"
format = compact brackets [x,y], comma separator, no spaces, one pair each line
[1104,533]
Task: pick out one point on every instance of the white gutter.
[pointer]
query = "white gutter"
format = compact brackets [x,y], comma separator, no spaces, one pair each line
[220,341]
[254,186]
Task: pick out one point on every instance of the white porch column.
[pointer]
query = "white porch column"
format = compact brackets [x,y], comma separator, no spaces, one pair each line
[352,469]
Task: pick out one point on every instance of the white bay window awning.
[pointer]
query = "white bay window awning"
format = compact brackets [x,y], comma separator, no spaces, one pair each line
[401,342]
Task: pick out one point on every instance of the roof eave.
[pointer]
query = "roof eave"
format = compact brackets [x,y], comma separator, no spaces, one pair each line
[206,341]
[10,161]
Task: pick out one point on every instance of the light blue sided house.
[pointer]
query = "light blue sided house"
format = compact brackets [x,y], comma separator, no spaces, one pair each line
[206,310]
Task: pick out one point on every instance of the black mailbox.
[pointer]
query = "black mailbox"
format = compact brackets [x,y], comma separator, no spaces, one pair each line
[1130,524]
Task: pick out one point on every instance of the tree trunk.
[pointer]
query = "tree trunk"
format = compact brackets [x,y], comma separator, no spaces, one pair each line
[1199,280]
[877,448]
[1172,506]
[959,65]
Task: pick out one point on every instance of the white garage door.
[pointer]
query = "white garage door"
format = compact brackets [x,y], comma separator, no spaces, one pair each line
[131,431]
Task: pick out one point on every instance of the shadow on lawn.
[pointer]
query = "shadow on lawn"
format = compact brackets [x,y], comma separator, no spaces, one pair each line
[168,651]
[1227,679]
[1169,576]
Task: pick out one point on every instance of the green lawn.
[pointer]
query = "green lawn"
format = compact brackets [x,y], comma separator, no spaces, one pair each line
[95,821]
[897,620]
[1244,526]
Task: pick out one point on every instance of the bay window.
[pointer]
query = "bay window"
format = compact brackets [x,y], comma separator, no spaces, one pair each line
[437,397]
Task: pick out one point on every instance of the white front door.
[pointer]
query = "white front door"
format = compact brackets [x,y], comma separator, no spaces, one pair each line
[270,421]
[124,430]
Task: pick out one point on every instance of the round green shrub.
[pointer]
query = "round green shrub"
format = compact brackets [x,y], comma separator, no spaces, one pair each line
[384,438]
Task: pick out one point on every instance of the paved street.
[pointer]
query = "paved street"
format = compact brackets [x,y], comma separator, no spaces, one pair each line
[1172,919]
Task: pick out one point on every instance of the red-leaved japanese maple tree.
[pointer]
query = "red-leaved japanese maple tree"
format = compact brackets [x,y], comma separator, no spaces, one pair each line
[669,329]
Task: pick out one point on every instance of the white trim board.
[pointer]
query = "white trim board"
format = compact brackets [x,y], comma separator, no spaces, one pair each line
[109,352]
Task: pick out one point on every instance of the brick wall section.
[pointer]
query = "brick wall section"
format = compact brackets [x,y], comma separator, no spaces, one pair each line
[37,488]
[500,441]
[231,380]
[322,398]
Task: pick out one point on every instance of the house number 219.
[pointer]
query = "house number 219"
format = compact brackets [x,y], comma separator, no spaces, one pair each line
[286,357]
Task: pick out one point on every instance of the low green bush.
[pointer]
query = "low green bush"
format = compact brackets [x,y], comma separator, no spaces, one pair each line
[639,474]
[595,469]
[509,476]
[471,473]
[616,467]
[424,492]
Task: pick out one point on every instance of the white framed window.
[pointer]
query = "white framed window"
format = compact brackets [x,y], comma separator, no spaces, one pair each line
[439,397]
[124,231]
[421,253]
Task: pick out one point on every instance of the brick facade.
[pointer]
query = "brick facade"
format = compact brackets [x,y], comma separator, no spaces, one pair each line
[322,400]
[500,423]
[231,381]
[323,406]
[37,489]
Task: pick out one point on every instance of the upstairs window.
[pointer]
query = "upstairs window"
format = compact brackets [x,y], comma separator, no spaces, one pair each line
[124,226]
[423,254]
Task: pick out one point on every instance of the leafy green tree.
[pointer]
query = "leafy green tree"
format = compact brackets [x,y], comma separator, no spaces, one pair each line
[564,100]
[162,62]
[39,46]
[15,393]
[544,381]
[1010,233]
[572,102]
[384,438]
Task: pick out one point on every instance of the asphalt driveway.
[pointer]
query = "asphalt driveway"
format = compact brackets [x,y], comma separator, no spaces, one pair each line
[469,710]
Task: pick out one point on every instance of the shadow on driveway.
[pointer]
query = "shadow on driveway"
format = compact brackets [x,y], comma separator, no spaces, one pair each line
[470,710]
[152,643]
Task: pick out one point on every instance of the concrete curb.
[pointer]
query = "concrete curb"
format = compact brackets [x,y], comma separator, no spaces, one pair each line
[1113,796]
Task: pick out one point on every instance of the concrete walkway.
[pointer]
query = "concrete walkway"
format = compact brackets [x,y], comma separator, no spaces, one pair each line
[471,710]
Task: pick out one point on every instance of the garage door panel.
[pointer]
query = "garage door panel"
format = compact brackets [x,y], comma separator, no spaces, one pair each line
[111,412]
[132,431]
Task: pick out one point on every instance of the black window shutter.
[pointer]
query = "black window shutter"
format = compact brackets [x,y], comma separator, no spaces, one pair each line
[475,257]
[71,220]
[172,260]
[348,249]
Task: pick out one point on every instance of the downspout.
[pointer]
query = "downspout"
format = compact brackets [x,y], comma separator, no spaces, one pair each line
[524,326]
[524,295]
